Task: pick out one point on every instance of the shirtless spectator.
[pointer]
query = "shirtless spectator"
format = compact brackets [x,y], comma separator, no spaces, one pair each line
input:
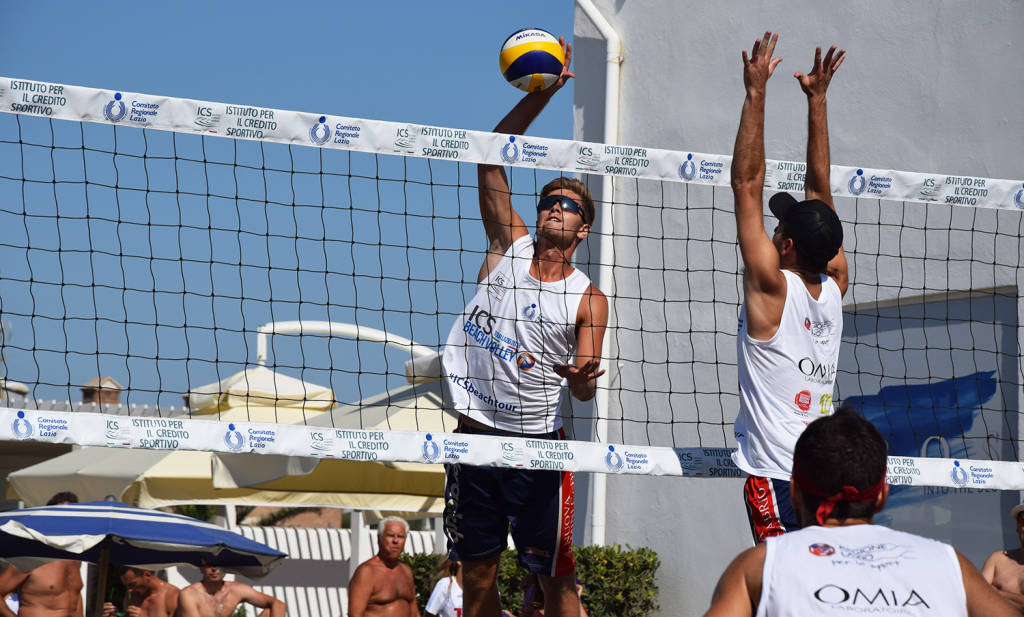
[215,597]
[1004,570]
[147,596]
[51,590]
[382,586]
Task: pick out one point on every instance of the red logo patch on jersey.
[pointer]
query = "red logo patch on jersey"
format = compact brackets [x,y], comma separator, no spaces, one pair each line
[821,549]
[803,400]
[807,322]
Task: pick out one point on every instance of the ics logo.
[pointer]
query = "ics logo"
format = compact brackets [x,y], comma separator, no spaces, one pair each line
[233,439]
[525,360]
[613,460]
[406,138]
[512,452]
[319,442]
[115,110]
[587,159]
[929,190]
[510,151]
[320,132]
[959,474]
[820,549]
[687,171]
[430,450]
[858,183]
[686,460]
[21,426]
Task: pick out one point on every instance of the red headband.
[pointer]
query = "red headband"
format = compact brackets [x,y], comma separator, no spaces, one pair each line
[847,493]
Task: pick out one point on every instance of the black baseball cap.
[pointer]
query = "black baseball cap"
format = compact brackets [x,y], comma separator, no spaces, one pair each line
[813,225]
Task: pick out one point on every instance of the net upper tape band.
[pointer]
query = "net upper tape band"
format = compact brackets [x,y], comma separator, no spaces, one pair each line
[328,131]
[93,429]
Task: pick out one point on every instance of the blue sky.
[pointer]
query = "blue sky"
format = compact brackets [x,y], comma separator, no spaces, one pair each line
[430,63]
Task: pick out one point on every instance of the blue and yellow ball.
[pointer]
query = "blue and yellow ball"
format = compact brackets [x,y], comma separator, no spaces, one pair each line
[531,59]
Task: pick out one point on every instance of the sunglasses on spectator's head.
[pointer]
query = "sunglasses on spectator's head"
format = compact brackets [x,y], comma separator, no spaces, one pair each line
[565,203]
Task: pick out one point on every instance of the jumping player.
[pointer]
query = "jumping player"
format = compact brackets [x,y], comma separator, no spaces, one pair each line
[533,321]
[793,284]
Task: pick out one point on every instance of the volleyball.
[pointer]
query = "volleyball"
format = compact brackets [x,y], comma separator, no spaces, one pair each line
[531,59]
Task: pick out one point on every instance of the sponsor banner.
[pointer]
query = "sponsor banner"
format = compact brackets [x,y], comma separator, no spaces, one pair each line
[94,429]
[37,98]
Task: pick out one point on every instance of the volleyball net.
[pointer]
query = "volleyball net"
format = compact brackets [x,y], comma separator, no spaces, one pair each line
[237,279]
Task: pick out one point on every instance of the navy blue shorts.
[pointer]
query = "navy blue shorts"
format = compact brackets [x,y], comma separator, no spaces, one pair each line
[768,507]
[482,504]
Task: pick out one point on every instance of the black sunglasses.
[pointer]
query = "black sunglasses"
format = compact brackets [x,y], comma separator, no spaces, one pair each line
[565,203]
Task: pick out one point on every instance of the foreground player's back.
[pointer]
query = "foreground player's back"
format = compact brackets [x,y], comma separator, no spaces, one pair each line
[836,570]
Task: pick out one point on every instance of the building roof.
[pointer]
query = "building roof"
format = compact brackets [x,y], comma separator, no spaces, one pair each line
[106,383]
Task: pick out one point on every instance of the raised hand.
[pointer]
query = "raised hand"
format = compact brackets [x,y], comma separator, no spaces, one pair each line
[816,82]
[760,65]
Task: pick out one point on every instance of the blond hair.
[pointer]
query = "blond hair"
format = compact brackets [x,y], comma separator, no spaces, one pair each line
[574,185]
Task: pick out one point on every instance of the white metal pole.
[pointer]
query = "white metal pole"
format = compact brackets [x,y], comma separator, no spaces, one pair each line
[606,281]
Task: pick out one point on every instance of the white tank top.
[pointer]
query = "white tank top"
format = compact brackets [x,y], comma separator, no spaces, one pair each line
[788,380]
[498,359]
[860,570]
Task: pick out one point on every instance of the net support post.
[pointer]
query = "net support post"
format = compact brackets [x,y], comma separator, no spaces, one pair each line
[613,60]
[360,541]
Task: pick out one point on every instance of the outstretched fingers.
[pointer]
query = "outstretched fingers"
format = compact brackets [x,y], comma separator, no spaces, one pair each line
[836,61]
[759,65]
[566,74]
[771,43]
[579,374]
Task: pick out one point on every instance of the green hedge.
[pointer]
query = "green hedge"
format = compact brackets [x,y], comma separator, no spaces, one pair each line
[617,582]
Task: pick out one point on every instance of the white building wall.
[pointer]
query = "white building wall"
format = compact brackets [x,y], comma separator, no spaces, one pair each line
[927,87]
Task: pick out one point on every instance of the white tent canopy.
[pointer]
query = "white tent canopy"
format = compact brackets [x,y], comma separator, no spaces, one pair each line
[149,478]
[415,407]
[260,387]
[154,478]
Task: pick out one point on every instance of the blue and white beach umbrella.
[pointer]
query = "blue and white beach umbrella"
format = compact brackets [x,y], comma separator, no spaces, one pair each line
[105,531]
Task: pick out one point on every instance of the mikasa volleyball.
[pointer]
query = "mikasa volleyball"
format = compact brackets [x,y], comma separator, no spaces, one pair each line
[531,59]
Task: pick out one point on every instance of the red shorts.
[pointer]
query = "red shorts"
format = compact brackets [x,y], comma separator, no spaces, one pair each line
[768,507]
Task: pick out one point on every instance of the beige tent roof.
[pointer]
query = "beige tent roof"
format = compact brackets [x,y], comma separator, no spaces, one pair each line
[149,479]
[153,478]
[415,407]
[260,387]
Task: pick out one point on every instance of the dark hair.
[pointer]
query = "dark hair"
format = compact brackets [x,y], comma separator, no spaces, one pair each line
[813,226]
[803,260]
[63,497]
[841,450]
[574,185]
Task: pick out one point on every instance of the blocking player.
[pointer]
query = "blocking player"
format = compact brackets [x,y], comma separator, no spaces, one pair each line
[793,284]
